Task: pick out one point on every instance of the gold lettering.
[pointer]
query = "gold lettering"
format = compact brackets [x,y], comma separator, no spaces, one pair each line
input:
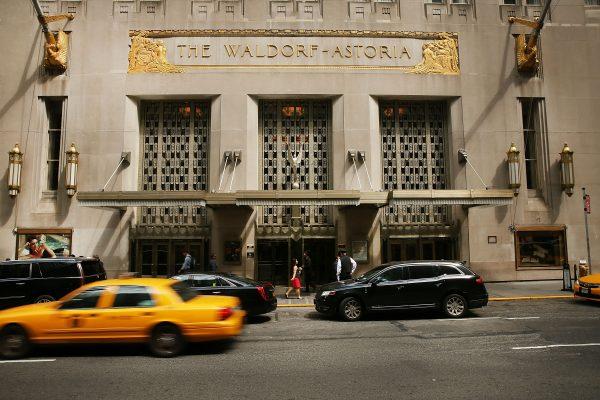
[232,49]
[348,52]
[358,47]
[313,48]
[290,53]
[300,49]
[405,51]
[395,52]
[190,48]
[337,51]
[272,47]
[205,51]
[373,54]
[247,50]
[257,54]
[181,47]
[383,50]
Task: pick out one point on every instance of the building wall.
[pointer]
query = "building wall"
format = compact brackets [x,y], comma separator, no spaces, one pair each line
[102,117]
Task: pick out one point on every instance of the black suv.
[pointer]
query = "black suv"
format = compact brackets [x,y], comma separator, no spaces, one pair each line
[45,279]
[445,285]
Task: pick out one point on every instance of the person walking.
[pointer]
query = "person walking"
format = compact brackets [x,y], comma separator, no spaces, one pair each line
[307,269]
[345,267]
[335,270]
[187,265]
[295,281]
[212,263]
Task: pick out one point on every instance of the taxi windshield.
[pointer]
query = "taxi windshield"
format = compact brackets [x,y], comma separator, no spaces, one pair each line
[184,291]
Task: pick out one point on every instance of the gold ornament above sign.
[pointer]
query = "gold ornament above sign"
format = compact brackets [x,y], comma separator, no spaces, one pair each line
[439,52]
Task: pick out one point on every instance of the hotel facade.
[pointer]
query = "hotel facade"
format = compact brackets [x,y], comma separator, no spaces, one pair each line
[257,129]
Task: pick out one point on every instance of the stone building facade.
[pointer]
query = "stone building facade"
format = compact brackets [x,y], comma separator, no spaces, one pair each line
[257,129]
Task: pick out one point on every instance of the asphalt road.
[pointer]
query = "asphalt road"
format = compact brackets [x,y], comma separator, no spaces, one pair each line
[505,351]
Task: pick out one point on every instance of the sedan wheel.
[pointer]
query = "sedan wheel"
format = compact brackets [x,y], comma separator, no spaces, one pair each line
[166,341]
[351,309]
[44,299]
[14,342]
[455,306]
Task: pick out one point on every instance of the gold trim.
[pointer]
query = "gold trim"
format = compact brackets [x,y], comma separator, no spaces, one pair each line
[333,66]
[147,55]
[291,33]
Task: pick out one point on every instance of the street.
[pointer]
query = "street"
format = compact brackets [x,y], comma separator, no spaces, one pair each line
[504,351]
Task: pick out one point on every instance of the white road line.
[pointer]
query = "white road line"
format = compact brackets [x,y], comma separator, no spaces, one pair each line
[26,361]
[465,319]
[512,318]
[550,346]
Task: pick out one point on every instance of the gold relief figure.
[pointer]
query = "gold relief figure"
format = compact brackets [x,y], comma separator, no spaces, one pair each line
[55,56]
[439,57]
[147,55]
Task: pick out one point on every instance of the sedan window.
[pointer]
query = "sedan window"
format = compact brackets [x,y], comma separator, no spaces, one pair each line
[422,271]
[207,281]
[133,296]
[394,274]
[86,299]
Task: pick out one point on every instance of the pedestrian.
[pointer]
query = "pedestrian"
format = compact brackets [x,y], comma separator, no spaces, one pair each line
[307,269]
[345,267]
[212,263]
[295,281]
[188,262]
[335,265]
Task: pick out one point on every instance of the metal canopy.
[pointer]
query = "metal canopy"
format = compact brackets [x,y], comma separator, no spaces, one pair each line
[298,198]
[141,199]
[469,197]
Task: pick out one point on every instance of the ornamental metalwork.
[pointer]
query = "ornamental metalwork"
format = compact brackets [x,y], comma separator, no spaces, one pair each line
[175,157]
[413,140]
[295,147]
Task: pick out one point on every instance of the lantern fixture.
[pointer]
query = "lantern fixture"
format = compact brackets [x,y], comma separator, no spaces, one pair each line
[15,162]
[71,175]
[514,170]
[567,174]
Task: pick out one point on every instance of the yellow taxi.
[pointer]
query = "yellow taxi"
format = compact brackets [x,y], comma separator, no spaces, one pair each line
[161,312]
[587,287]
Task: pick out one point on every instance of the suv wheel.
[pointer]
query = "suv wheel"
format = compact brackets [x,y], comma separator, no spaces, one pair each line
[351,309]
[14,342]
[166,341]
[454,305]
[44,299]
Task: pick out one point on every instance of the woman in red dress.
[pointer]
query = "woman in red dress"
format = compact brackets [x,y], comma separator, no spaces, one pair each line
[296,271]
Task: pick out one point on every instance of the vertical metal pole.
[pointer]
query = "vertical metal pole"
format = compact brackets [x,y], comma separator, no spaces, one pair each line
[587,232]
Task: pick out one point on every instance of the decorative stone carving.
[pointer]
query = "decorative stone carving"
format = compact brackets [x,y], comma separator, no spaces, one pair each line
[147,55]
[439,57]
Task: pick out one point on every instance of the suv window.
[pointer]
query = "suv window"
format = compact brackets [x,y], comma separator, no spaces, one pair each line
[92,268]
[60,270]
[86,299]
[448,270]
[394,274]
[14,271]
[133,296]
[422,271]
[183,291]
[208,281]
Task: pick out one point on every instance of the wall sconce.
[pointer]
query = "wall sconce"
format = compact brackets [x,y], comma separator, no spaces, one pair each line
[15,162]
[514,175]
[567,174]
[71,176]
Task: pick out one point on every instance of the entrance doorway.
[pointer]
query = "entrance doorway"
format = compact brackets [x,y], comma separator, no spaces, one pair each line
[322,255]
[164,257]
[272,258]
[420,249]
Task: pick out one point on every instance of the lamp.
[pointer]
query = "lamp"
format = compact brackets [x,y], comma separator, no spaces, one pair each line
[71,175]
[567,175]
[514,175]
[15,162]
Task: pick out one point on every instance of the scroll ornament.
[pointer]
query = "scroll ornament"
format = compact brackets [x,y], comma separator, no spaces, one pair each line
[439,57]
[147,55]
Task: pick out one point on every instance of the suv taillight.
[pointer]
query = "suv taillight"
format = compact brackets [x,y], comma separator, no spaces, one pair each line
[224,313]
[261,291]
[479,280]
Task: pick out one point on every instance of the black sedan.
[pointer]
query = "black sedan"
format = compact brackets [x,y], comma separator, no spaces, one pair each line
[257,298]
[445,285]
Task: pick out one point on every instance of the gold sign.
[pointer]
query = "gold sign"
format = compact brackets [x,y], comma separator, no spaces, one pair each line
[186,51]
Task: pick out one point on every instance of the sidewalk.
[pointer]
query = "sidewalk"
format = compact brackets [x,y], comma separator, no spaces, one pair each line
[498,291]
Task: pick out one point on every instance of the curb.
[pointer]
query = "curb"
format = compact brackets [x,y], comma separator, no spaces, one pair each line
[519,298]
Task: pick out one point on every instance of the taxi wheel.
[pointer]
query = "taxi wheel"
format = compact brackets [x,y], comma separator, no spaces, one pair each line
[44,299]
[166,341]
[14,342]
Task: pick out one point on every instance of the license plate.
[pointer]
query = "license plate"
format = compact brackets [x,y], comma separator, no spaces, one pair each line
[584,290]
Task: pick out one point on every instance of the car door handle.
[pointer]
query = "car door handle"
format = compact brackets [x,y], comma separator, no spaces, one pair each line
[438,284]
[20,283]
[399,287]
[216,292]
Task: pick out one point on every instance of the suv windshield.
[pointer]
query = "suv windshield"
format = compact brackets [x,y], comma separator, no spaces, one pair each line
[368,275]
[184,291]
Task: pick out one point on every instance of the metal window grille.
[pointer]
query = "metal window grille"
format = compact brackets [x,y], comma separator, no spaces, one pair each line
[151,9]
[202,9]
[45,9]
[359,11]
[229,9]
[386,11]
[124,9]
[290,127]
[413,139]
[72,9]
[308,9]
[437,11]
[175,157]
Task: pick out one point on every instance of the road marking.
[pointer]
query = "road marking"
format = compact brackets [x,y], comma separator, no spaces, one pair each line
[465,319]
[550,346]
[512,318]
[27,361]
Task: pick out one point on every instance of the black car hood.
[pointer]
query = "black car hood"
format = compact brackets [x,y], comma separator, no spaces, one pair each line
[341,285]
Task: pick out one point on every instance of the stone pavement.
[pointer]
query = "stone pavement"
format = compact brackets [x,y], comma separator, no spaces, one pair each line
[498,291]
